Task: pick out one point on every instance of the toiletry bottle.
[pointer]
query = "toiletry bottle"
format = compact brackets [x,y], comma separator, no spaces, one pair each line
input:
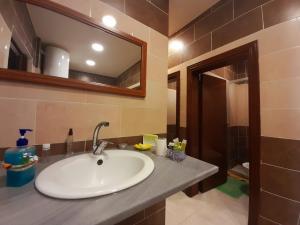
[45,152]
[70,142]
[20,162]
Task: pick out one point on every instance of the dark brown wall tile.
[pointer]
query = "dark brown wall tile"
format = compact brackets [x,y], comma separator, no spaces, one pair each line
[154,215]
[81,146]
[263,221]
[138,217]
[118,4]
[162,4]
[61,148]
[280,181]
[2,150]
[241,27]
[148,14]
[272,207]
[199,47]
[155,208]
[278,11]
[219,17]
[281,152]
[174,59]
[156,219]
[182,133]
[243,6]
[187,36]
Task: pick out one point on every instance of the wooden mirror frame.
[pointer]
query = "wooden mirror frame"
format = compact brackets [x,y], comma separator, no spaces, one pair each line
[22,76]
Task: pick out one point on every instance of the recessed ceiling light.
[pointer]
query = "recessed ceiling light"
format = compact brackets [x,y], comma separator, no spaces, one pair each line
[176,45]
[97,47]
[109,21]
[90,62]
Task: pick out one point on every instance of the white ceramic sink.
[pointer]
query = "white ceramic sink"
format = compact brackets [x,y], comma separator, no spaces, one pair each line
[81,177]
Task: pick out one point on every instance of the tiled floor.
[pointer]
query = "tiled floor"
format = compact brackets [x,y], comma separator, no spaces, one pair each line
[210,208]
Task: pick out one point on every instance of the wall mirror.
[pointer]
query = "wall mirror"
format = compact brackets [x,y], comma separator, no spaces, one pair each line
[44,42]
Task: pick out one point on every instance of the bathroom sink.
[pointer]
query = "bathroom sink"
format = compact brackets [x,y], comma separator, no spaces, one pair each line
[88,175]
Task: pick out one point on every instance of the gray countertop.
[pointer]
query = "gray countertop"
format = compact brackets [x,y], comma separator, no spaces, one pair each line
[26,206]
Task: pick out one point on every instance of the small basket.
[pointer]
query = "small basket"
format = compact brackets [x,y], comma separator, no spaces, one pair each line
[176,155]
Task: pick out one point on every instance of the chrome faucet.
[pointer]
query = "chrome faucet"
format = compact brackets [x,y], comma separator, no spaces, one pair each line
[98,145]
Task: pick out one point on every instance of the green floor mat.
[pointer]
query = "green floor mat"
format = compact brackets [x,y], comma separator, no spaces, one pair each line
[234,188]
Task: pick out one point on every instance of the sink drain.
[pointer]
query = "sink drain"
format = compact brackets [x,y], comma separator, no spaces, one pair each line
[100,162]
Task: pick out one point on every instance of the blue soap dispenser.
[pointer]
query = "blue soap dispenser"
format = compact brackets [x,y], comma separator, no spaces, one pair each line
[20,162]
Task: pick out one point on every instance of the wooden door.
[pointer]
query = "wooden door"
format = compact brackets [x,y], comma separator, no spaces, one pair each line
[213,128]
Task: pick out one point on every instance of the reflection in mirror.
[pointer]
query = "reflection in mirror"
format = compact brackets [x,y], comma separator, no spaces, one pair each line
[38,40]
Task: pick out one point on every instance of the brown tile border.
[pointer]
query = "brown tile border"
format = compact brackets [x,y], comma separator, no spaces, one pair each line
[154,215]
[278,11]
[219,17]
[241,27]
[198,47]
[153,13]
[265,221]
[161,4]
[248,18]
[187,36]
[85,146]
[244,6]
[155,208]
[118,4]
[272,207]
[280,181]
[281,152]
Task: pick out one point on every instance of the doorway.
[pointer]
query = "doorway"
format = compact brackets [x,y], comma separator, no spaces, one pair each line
[173,119]
[207,123]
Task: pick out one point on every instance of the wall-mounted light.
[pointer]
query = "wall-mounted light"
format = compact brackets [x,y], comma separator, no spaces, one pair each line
[176,45]
[90,62]
[97,47]
[109,21]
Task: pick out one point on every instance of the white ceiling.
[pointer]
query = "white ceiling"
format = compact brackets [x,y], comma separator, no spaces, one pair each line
[181,12]
[76,38]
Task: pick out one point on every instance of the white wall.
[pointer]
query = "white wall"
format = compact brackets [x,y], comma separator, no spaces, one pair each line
[171,107]
[5,37]
[238,104]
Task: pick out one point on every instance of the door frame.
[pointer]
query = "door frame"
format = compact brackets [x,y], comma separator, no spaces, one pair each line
[176,77]
[247,52]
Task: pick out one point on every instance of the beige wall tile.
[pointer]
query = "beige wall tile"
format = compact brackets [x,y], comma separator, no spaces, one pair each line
[171,110]
[137,121]
[282,94]
[281,123]
[281,36]
[237,105]
[54,120]
[16,114]
[158,44]
[280,65]
[156,96]
[157,68]
[40,92]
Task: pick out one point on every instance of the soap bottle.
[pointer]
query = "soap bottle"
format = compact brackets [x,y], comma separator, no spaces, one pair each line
[20,161]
